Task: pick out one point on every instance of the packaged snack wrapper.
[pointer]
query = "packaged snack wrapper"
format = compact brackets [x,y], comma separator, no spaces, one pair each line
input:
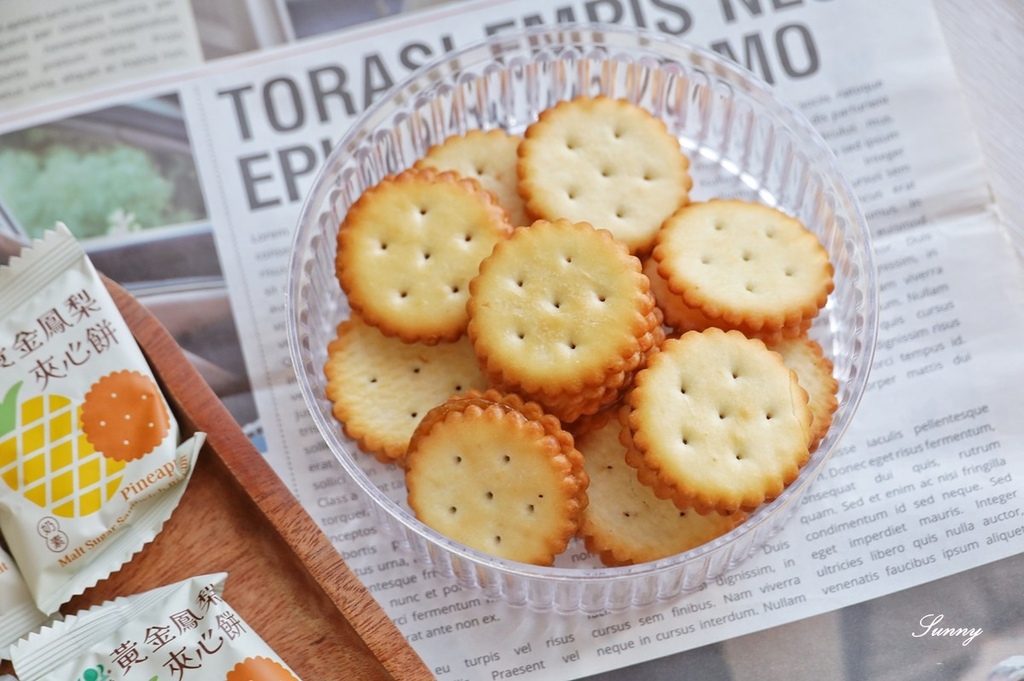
[18,612]
[184,630]
[90,464]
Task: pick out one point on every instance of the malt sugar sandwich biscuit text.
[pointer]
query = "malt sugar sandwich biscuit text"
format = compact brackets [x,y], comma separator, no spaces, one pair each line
[381,387]
[488,157]
[409,246]
[717,422]
[625,522]
[561,314]
[607,162]
[744,265]
[498,475]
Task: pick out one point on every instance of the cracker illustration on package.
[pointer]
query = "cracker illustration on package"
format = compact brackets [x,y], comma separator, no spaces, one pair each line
[90,463]
[182,630]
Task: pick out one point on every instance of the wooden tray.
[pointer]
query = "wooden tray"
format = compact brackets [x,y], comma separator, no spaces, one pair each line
[285,578]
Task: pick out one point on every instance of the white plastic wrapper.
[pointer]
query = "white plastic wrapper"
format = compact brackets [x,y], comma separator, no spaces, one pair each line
[181,631]
[90,461]
[18,612]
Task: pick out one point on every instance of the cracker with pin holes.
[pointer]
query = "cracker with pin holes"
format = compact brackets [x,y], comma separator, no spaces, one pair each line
[490,158]
[682,318]
[814,372]
[717,422]
[625,522]
[381,387]
[745,263]
[561,313]
[408,247]
[605,161]
[497,474]
[573,406]
[124,415]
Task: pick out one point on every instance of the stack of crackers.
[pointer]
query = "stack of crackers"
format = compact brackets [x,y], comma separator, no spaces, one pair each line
[553,341]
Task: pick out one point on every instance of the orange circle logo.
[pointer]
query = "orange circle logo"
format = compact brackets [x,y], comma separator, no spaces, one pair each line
[259,669]
[124,415]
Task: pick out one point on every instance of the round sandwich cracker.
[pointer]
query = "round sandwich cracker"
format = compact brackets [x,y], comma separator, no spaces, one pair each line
[571,406]
[489,157]
[625,522]
[607,162]
[717,422]
[382,387]
[814,372]
[747,264]
[498,475]
[409,246]
[682,318]
[560,312]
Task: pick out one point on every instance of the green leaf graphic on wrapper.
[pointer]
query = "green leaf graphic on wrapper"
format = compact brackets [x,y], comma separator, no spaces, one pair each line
[9,410]
[97,673]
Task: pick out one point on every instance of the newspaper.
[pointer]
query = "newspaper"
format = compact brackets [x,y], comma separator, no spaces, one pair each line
[66,47]
[924,485]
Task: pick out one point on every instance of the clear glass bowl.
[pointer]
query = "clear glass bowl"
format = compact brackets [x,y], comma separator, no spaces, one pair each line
[743,142]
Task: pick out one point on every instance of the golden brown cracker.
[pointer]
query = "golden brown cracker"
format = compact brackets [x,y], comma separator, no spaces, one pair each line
[682,318]
[495,478]
[559,310]
[381,387]
[607,162]
[489,157]
[409,246]
[814,371]
[717,422]
[745,263]
[625,522]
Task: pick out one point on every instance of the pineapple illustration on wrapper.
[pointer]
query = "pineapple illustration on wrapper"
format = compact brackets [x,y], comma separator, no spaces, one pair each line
[45,456]
[90,461]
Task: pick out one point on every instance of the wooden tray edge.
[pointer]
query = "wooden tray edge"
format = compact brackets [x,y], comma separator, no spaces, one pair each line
[203,411]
